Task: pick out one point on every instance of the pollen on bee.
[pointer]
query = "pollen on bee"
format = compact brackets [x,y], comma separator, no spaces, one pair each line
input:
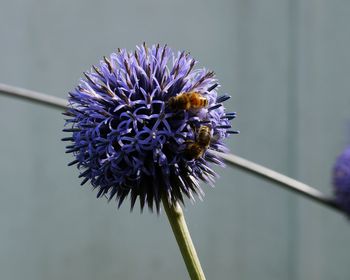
[188,101]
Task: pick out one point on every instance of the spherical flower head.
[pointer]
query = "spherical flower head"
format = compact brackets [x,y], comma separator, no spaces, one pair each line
[143,124]
[341,180]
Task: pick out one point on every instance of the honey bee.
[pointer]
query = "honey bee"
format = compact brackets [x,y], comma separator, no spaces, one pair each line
[188,101]
[195,149]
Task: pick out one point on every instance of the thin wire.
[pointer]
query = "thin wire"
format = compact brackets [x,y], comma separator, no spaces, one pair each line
[37,97]
[230,159]
[278,178]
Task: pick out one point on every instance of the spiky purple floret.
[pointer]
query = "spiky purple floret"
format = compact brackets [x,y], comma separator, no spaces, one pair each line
[126,139]
[341,180]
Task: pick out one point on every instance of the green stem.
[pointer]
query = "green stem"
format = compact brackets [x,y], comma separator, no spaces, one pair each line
[183,238]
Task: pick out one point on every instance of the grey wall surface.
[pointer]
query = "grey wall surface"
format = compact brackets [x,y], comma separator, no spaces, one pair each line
[286,64]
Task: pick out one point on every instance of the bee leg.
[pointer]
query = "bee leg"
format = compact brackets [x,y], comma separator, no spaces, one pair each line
[194,127]
[188,142]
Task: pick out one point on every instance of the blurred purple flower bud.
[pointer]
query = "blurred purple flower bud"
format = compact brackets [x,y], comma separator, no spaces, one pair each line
[341,180]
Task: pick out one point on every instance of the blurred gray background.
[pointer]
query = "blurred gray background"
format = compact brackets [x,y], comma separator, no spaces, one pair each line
[286,64]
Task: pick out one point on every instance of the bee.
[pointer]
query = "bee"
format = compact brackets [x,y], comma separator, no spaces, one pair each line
[188,101]
[195,149]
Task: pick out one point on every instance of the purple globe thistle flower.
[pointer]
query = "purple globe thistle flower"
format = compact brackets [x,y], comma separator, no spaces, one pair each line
[341,180]
[128,140]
